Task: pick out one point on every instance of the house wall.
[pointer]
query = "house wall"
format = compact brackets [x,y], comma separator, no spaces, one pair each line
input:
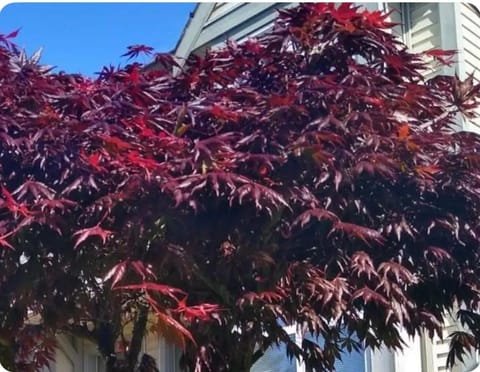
[410,358]
[469,41]
[236,21]
[75,355]
[79,355]
[63,362]
[166,354]
[379,360]
[470,29]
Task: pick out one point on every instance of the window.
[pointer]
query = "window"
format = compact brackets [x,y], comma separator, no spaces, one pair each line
[275,360]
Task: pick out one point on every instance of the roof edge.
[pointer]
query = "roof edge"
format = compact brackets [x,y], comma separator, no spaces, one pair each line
[192,30]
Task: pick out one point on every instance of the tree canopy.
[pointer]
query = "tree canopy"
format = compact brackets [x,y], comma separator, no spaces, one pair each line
[311,176]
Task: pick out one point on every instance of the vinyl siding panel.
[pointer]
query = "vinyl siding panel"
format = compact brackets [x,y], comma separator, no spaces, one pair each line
[470,29]
[220,10]
[471,38]
[472,59]
[169,356]
[166,354]
[151,346]
[63,362]
[236,21]
[381,359]
[250,28]
[242,15]
[441,347]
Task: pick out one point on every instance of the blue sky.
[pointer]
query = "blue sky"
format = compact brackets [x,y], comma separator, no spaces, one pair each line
[83,37]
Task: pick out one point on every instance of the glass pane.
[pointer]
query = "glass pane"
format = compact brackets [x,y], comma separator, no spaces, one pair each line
[275,360]
[351,362]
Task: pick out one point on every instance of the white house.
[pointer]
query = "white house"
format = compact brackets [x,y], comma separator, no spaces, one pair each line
[424,26]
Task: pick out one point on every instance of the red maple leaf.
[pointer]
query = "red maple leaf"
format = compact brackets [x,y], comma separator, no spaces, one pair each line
[373,101]
[344,12]
[136,50]
[141,122]
[4,242]
[197,312]
[263,170]
[378,19]
[93,160]
[163,289]
[404,131]
[12,204]
[222,113]
[395,62]
[445,57]
[116,273]
[12,34]
[427,171]
[146,163]
[84,234]
[134,76]
[276,100]
[115,144]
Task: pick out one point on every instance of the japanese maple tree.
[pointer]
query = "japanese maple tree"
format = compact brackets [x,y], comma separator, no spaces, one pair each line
[311,176]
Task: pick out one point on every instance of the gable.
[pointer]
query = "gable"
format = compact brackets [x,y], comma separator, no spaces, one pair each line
[214,23]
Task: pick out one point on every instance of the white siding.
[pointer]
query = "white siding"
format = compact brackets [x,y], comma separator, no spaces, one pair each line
[236,21]
[63,362]
[471,39]
[221,9]
[410,358]
[151,346]
[470,30]
[440,346]
[380,360]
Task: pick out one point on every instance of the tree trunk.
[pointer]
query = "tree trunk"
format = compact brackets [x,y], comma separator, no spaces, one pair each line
[110,364]
[106,338]
[106,344]
[244,361]
[137,338]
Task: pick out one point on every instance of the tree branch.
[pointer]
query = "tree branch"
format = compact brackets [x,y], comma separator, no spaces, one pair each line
[137,337]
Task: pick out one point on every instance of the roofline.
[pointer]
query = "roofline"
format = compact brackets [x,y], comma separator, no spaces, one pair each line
[190,33]
[187,25]
[192,30]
